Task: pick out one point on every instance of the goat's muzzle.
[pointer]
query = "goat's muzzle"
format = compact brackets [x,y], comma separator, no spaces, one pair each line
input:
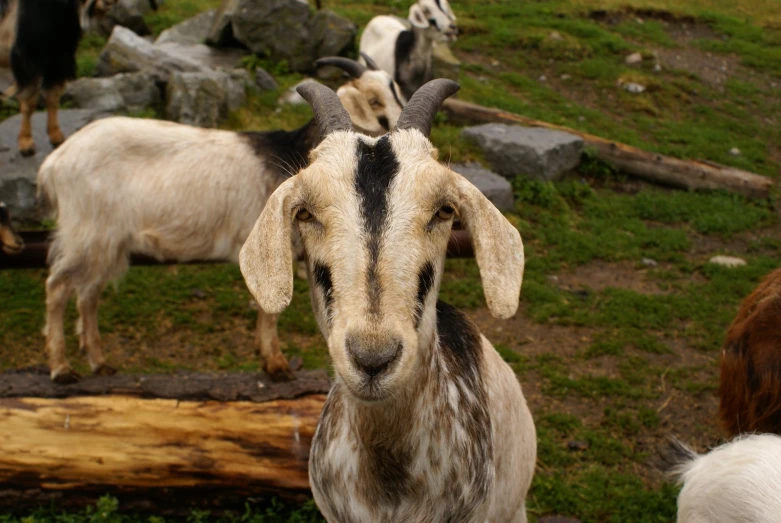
[373,360]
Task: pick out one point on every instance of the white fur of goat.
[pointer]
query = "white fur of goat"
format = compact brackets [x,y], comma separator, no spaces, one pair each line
[737,482]
[171,191]
[406,51]
[425,421]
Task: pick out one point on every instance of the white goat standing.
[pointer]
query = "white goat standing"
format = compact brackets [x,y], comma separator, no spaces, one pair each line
[738,482]
[405,52]
[425,421]
[174,192]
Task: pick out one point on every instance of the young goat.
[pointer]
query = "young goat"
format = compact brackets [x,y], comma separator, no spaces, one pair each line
[738,482]
[425,421]
[405,52]
[10,241]
[128,185]
[750,387]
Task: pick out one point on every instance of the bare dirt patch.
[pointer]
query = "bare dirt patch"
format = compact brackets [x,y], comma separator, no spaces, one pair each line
[600,276]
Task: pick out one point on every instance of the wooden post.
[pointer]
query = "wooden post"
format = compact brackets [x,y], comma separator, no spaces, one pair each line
[657,168]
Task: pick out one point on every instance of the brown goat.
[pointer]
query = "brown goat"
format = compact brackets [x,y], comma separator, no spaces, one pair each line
[750,388]
[10,241]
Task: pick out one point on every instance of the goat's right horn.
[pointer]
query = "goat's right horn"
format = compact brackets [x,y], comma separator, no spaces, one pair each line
[370,63]
[330,114]
[424,104]
[351,67]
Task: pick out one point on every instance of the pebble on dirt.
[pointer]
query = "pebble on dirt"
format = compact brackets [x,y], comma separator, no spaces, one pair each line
[728,261]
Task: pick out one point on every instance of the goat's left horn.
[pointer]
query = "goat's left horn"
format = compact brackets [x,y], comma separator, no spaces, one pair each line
[424,104]
[330,114]
[351,67]
[370,62]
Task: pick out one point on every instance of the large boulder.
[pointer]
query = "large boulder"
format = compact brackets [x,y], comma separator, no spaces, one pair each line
[204,98]
[512,150]
[127,52]
[282,30]
[121,92]
[497,189]
[17,173]
[192,31]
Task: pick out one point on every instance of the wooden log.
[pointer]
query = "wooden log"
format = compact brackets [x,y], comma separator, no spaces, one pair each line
[653,167]
[168,454]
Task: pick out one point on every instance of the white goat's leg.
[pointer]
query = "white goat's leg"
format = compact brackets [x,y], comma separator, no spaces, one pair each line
[53,95]
[520,516]
[89,337]
[58,291]
[274,362]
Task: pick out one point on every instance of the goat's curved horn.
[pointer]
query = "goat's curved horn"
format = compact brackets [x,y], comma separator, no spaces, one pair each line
[370,62]
[424,104]
[330,114]
[351,67]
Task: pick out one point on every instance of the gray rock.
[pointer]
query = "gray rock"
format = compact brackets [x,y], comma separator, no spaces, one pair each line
[278,29]
[127,52]
[497,189]
[205,98]
[264,81]
[282,30]
[331,34]
[18,174]
[649,262]
[727,261]
[126,13]
[125,91]
[192,31]
[538,153]
[634,58]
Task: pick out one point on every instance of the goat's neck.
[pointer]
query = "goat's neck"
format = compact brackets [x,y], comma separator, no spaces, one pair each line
[423,44]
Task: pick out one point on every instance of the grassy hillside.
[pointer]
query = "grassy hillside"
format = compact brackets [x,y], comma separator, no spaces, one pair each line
[618,339]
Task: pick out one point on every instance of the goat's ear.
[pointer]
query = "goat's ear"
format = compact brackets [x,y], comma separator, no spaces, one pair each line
[417,17]
[498,249]
[266,259]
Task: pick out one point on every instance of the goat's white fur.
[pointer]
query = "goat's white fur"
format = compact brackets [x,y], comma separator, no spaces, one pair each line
[127,185]
[423,411]
[737,482]
[380,37]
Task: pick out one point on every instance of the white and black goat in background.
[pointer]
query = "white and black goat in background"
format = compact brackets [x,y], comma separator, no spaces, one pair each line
[737,482]
[405,52]
[174,192]
[10,241]
[425,421]
[38,40]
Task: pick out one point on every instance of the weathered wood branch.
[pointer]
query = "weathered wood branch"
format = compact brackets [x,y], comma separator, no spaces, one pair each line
[657,168]
[166,454]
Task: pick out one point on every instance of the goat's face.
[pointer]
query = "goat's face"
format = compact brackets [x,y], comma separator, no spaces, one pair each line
[373,100]
[437,16]
[375,217]
[10,241]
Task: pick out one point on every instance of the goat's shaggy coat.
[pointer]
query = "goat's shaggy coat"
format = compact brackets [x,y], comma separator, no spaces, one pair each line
[738,482]
[750,387]
[425,421]
[126,185]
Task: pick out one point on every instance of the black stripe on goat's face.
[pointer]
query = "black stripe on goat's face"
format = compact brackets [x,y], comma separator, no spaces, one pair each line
[370,214]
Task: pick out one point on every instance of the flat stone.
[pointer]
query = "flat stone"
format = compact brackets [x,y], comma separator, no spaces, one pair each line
[192,31]
[634,58]
[203,99]
[497,189]
[291,96]
[17,173]
[124,91]
[537,153]
[727,261]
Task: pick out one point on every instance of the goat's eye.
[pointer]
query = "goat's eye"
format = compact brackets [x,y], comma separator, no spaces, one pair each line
[374,102]
[445,212]
[304,216]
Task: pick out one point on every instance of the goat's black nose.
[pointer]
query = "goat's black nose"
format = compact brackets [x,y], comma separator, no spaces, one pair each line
[372,357]
[453,28]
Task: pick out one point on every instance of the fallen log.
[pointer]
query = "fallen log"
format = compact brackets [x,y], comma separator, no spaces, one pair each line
[653,167]
[156,442]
